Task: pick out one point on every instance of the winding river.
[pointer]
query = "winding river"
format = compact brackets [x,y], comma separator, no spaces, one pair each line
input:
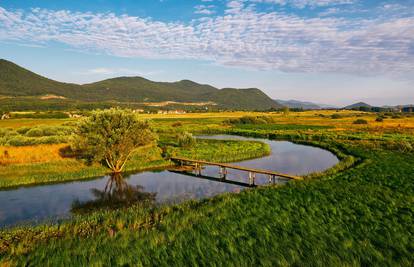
[54,201]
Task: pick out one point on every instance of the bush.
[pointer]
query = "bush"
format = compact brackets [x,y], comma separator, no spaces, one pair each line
[177,124]
[360,121]
[19,140]
[251,120]
[335,116]
[186,139]
[6,132]
[379,119]
[40,131]
[41,115]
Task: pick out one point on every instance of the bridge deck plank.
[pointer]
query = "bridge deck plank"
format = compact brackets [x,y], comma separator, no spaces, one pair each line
[230,166]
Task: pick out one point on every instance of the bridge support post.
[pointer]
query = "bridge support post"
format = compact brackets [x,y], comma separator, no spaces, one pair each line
[223,172]
[252,178]
[197,168]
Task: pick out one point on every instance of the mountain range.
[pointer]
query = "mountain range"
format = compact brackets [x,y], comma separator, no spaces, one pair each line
[16,81]
[303,104]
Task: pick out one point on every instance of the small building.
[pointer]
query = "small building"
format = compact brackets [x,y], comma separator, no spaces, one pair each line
[407,109]
[74,116]
[177,111]
[6,116]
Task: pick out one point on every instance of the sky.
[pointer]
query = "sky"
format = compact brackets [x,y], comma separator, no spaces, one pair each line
[327,51]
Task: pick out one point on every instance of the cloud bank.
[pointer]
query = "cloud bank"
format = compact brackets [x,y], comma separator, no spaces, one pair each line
[242,37]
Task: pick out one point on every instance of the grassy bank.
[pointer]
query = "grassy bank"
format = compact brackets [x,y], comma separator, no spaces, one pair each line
[28,165]
[360,216]
[222,150]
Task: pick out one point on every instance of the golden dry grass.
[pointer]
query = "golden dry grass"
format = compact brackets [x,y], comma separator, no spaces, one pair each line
[16,123]
[30,154]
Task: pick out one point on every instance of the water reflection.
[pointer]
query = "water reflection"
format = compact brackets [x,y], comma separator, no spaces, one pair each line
[221,179]
[116,194]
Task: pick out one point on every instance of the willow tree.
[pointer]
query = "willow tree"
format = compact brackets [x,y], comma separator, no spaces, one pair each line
[111,136]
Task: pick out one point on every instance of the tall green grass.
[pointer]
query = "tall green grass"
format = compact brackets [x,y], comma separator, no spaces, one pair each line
[222,150]
[361,216]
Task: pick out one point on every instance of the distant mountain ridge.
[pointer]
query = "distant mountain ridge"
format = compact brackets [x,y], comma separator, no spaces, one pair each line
[302,104]
[358,105]
[366,107]
[16,81]
[298,104]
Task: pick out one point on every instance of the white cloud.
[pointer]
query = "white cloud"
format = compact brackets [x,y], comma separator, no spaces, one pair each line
[306,3]
[118,71]
[204,9]
[242,37]
[234,6]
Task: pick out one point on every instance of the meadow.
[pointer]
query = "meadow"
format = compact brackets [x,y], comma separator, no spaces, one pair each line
[359,213]
[35,155]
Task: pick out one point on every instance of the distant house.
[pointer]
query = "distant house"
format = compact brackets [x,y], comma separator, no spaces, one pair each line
[71,115]
[407,109]
[6,116]
[178,111]
[138,110]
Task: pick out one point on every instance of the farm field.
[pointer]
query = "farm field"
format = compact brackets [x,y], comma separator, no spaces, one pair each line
[360,212]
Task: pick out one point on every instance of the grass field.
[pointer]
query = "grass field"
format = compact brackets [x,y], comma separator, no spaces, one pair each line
[30,154]
[360,213]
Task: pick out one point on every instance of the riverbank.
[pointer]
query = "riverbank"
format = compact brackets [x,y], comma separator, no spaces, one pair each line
[55,168]
[339,218]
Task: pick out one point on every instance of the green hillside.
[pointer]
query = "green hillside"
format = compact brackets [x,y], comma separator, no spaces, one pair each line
[16,81]
[358,105]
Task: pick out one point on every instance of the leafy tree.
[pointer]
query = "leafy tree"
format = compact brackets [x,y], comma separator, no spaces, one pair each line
[110,136]
[286,111]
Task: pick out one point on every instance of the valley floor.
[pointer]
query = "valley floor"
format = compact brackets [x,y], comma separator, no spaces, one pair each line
[361,212]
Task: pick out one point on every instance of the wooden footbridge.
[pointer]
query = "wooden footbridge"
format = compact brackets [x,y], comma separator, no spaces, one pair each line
[197,165]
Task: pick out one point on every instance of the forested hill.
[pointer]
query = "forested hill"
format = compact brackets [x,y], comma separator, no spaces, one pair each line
[16,81]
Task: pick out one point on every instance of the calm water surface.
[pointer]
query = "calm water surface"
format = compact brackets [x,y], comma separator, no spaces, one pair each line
[38,203]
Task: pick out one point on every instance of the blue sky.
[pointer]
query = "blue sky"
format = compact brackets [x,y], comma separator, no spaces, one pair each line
[327,51]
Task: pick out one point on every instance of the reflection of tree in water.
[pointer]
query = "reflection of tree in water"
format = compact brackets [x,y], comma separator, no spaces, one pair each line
[117,194]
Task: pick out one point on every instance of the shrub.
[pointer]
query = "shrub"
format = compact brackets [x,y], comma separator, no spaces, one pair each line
[177,124]
[335,116]
[379,119]
[251,120]
[6,132]
[40,131]
[42,115]
[23,130]
[20,140]
[360,121]
[186,139]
